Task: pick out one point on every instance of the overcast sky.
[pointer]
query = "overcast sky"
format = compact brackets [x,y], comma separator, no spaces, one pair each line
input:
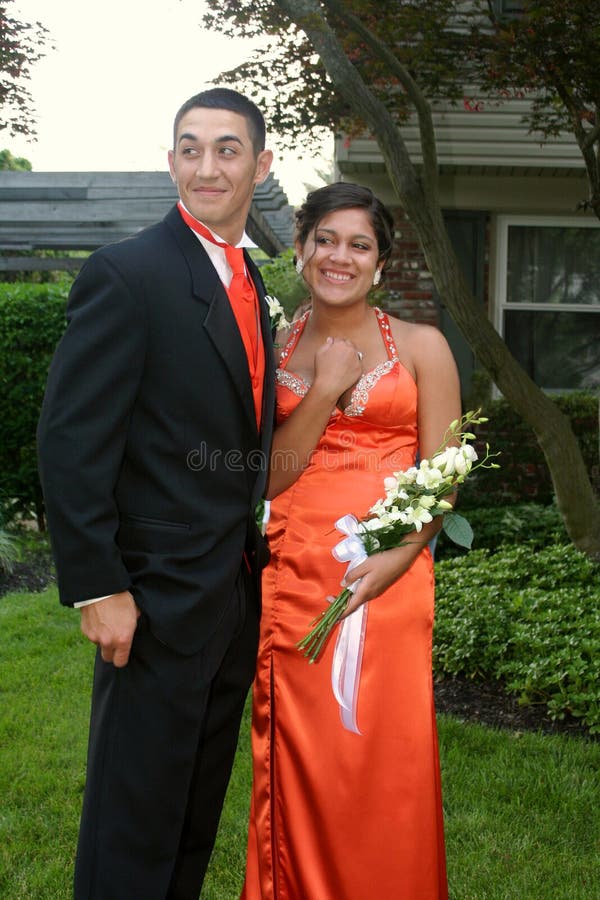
[106,96]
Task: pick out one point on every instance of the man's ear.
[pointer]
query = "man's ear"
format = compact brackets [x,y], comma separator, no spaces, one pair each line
[171,157]
[264,162]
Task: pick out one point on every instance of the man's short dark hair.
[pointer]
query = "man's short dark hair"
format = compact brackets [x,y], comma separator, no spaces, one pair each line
[225,98]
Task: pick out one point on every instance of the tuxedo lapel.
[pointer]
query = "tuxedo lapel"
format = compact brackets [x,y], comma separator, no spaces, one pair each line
[267,338]
[268,403]
[219,322]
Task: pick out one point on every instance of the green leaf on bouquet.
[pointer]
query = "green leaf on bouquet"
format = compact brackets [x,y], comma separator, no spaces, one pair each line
[458,529]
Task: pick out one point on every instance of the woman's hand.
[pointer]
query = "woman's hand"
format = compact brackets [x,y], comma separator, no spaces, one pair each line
[381,570]
[337,367]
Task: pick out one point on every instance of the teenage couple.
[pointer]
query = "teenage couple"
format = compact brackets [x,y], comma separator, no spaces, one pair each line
[168,355]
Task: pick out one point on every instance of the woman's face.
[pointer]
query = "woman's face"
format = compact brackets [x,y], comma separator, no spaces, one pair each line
[340,257]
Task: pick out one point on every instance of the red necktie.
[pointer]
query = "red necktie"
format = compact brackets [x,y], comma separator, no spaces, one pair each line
[244,303]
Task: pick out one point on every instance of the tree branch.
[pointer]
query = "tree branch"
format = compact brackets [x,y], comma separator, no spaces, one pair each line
[592,135]
[308,15]
[586,145]
[413,91]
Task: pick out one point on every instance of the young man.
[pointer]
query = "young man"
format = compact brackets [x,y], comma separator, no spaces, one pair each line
[152,439]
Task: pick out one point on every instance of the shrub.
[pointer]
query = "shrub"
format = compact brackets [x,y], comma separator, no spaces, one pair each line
[32,319]
[555,653]
[8,551]
[523,473]
[281,280]
[529,617]
[493,527]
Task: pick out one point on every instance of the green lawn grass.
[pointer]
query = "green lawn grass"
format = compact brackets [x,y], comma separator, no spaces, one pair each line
[521,810]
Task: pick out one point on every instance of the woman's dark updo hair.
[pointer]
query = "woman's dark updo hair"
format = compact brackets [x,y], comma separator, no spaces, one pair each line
[345,195]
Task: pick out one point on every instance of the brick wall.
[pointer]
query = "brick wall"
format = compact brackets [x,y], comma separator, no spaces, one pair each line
[408,283]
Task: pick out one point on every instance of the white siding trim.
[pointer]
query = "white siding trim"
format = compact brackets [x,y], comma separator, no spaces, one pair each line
[494,136]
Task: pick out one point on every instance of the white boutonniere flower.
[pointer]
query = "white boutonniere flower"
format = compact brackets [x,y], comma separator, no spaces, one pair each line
[276,313]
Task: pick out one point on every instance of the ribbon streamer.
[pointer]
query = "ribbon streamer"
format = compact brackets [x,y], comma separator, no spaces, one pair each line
[347,656]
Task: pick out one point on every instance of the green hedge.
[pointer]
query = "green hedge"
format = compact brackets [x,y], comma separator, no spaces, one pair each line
[528,617]
[539,526]
[523,473]
[32,320]
[282,281]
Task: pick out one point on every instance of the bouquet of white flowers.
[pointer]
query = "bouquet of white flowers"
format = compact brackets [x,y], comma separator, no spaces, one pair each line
[412,499]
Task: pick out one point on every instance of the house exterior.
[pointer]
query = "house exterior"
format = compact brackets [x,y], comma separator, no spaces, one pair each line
[530,253]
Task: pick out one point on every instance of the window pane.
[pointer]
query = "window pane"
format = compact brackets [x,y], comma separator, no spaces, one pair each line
[559,350]
[510,6]
[553,265]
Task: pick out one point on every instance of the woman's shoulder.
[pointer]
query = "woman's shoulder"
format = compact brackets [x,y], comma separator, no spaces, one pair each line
[422,348]
[416,334]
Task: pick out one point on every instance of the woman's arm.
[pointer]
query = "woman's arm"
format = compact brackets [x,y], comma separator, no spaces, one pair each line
[337,368]
[438,404]
[438,398]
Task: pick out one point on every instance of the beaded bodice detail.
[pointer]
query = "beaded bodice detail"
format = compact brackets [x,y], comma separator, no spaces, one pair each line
[364,385]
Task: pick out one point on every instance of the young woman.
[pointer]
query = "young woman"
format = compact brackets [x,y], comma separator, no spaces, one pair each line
[340,815]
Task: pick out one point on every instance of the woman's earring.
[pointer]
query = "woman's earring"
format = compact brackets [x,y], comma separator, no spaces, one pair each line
[299,265]
[376,277]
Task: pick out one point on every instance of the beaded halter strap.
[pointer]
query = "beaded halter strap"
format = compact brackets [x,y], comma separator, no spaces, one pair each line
[365,384]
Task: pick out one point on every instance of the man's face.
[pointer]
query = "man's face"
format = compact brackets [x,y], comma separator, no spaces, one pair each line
[215,169]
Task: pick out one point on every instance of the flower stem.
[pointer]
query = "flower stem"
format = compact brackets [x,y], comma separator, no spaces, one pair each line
[324,623]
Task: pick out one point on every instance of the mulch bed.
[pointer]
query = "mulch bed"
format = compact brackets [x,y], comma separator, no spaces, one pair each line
[487,703]
[483,702]
[32,575]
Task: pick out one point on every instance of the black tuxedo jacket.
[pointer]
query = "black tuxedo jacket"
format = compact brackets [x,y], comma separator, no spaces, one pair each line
[150,457]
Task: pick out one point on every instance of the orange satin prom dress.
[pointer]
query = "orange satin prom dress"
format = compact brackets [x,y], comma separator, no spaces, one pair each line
[337,815]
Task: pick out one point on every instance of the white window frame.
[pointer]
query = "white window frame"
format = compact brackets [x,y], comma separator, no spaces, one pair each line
[503,223]
[499,8]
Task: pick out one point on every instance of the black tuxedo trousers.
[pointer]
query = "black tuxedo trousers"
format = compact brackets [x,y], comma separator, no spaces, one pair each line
[162,741]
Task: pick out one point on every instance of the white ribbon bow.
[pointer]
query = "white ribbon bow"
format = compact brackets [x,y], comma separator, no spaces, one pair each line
[347,656]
